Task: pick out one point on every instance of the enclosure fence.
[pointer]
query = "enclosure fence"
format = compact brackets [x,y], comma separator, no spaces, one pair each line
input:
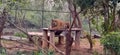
[41,17]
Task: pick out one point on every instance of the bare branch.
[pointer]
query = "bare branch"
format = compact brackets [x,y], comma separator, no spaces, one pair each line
[29,36]
[54,46]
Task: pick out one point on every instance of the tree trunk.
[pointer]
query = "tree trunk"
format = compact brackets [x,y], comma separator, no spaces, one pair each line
[106,17]
[89,36]
[69,41]
[3,18]
[76,22]
[113,25]
[118,20]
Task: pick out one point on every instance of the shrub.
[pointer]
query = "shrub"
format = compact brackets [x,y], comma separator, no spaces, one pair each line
[19,34]
[43,52]
[95,53]
[2,51]
[111,42]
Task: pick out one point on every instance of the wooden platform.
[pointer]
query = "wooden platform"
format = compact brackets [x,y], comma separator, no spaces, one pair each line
[52,35]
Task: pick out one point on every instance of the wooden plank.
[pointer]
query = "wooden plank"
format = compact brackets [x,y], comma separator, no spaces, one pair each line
[44,43]
[36,33]
[73,29]
[52,35]
[77,40]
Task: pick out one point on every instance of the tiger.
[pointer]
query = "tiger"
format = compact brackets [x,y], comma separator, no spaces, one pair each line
[57,24]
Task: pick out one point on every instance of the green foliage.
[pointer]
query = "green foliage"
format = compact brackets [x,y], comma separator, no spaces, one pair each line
[19,34]
[43,53]
[17,3]
[96,53]
[38,53]
[84,4]
[13,4]
[111,41]
[2,51]
[50,53]
[105,28]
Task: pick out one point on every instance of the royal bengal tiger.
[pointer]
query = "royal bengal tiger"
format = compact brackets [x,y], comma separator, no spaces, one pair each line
[57,24]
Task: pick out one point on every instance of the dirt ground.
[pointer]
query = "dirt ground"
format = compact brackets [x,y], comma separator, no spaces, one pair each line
[84,48]
[13,47]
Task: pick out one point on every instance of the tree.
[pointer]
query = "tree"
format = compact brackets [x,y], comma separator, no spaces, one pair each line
[75,15]
[7,5]
[108,11]
[3,18]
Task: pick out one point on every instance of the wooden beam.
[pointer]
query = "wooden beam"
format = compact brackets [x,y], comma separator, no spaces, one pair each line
[45,36]
[52,35]
[77,40]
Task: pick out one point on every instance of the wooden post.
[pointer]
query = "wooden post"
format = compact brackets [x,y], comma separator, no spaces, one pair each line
[45,36]
[61,40]
[77,40]
[52,35]
[39,41]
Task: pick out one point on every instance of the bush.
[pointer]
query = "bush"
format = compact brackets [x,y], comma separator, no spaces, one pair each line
[2,51]
[19,34]
[43,52]
[111,42]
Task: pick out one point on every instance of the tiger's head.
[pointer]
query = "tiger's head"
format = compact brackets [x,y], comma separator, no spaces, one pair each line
[54,23]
